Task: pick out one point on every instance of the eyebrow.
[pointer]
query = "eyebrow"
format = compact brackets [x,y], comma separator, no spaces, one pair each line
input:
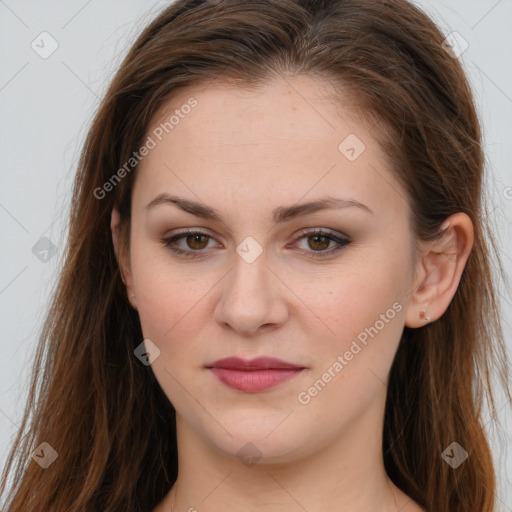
[280,214]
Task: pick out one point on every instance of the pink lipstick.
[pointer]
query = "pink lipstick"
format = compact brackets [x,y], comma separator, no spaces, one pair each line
[254,375]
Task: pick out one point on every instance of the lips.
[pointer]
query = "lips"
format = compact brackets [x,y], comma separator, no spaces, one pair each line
[260,363]
[253,375]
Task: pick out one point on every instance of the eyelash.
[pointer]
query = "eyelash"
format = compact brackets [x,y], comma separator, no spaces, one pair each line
[341,243]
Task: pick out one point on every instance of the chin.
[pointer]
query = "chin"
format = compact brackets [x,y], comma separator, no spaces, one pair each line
[257,439]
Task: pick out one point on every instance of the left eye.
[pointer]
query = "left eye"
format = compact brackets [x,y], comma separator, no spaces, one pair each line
[198,240]
[319,240]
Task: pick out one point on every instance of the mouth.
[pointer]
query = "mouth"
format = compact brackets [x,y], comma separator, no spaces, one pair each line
[252,376]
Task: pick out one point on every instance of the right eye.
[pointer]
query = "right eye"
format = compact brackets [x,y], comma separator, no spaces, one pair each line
[193,238]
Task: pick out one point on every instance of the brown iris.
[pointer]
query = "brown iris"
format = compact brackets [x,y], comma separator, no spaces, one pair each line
[195,237]
[316,237]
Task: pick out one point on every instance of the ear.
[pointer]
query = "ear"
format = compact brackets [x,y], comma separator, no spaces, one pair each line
[440,269]
[124,268]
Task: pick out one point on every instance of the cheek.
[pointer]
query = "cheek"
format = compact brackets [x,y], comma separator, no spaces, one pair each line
[171,299]
[351,300]
[361,317]
[351,366]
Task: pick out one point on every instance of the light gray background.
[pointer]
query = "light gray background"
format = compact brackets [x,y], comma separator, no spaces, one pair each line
[46,105]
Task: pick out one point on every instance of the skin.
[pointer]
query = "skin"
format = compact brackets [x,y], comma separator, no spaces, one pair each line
[244,153]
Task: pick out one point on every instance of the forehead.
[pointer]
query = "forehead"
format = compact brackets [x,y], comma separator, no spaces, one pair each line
[281,109]
[287,138]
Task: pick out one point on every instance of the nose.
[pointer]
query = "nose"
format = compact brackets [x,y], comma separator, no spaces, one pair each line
[251,298]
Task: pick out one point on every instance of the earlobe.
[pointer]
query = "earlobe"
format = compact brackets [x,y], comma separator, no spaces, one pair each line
[442,265]
[115,223]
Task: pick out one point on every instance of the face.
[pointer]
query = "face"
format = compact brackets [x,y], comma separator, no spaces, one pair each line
[324,289]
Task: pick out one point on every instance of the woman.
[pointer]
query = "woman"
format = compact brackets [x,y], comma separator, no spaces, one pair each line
[277,292]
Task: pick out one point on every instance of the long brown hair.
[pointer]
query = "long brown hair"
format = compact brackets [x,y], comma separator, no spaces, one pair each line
[103,411]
